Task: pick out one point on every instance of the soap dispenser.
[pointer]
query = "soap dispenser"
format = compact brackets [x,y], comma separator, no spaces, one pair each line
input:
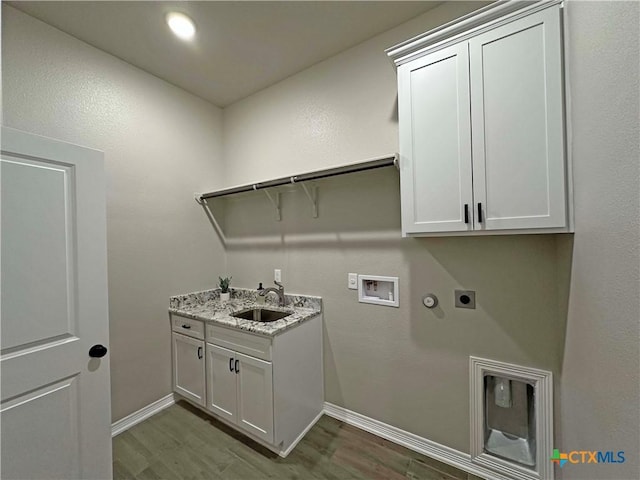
[260,298]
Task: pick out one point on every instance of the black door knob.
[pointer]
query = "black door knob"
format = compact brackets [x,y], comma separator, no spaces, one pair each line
[98,351]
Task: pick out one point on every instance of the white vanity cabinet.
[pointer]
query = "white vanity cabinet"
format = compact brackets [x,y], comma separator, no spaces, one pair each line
[187,339]
[481,119]
[268,387]
[240,388]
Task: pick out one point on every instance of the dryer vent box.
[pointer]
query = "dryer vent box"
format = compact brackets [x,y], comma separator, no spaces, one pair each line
[378,290]
[511,419]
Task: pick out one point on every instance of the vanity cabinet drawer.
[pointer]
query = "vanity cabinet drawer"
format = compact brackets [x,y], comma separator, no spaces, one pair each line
[253,345]
[187,326]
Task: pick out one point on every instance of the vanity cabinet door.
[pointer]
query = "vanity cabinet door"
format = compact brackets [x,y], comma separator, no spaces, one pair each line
[188,368]
[221,382]
[255,396]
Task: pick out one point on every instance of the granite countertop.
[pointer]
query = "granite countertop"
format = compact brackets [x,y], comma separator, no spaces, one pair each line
[206,306]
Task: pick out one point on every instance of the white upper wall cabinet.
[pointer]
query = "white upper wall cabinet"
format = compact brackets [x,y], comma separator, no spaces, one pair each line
[482,130]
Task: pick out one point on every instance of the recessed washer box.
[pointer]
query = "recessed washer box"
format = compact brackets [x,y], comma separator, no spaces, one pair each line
[378,290]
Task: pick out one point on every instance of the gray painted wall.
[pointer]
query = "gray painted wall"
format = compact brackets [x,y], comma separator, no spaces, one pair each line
[161,144]
[405,366]
[408,366]
[600,385]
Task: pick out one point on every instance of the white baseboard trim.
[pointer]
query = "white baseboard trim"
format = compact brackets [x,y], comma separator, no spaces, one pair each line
[286,452]
[412,441]
[142,414]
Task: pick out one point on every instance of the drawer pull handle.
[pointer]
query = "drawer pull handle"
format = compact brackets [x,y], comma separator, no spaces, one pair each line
[237,366]
[231,364]
[186,326]
[199,352]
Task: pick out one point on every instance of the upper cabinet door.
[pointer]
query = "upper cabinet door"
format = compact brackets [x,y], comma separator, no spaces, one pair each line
[519,176]
[435,142]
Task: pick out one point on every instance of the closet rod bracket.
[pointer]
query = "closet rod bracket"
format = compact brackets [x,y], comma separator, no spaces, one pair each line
[312,195]
[275,202]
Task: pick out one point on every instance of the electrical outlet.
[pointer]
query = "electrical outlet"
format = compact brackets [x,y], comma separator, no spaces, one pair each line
[353,281]
[465,299]
[277,275]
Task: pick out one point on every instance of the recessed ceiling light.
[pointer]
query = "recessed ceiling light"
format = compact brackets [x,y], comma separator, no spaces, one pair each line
[181,25]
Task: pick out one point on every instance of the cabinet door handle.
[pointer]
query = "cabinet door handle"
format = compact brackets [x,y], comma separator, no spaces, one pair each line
[186,326]
[231,364]
[466,213]
[200,352]
[237,366]
[480,212]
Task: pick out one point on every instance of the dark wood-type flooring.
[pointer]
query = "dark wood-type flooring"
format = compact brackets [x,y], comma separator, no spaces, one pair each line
[182,442]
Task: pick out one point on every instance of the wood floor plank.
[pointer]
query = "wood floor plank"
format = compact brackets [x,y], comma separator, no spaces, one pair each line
[432,464]
[335,467]
[317,466]
[158,471]
[130,442]
[152,437]
[130,459]
[421,471]
[367,448]
[323,439]
[121,472]
[366,466]
[184,462]
[216,458]
[387,445]
[241,470]
[184,443]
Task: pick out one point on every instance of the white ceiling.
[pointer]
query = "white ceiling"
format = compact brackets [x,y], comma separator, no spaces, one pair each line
[240,47]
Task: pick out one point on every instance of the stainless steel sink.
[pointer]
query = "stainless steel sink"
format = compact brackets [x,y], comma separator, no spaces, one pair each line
[261,315]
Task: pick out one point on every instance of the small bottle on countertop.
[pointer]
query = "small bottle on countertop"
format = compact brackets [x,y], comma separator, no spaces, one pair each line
[260,298]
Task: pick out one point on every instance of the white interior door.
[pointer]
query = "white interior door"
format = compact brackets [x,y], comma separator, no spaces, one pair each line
[435,142]
[519,177]
[55,404]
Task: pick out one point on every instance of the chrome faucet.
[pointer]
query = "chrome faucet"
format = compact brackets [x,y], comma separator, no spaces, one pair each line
[279,291]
